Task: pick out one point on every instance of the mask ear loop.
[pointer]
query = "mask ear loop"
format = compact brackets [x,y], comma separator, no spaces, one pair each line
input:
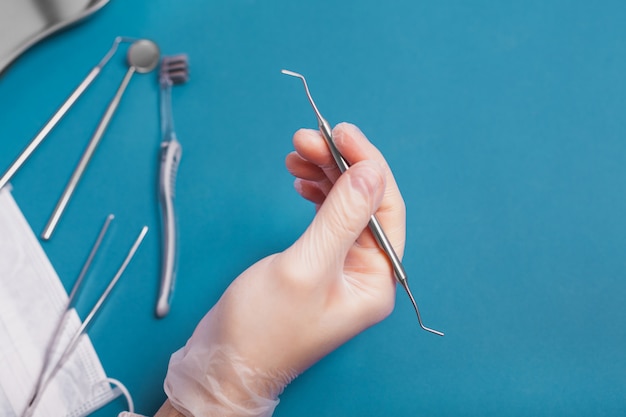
[124,391]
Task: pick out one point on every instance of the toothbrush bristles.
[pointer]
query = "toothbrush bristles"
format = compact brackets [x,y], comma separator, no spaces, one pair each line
[175,69]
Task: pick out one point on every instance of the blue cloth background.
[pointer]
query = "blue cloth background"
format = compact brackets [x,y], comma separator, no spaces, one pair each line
[504,123]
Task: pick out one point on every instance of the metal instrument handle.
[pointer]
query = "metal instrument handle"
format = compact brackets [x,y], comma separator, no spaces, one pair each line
[84,160]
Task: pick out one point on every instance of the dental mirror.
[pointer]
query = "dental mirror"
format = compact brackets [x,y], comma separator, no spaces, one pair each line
[143,55]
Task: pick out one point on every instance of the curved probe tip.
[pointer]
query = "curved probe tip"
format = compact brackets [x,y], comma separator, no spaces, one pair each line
[293,74]
[417,310]
[428,329]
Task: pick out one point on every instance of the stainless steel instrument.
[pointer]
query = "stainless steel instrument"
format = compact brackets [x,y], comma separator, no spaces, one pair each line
[58,115]
[49,370]
[23,23]
[374,224]
[143,56]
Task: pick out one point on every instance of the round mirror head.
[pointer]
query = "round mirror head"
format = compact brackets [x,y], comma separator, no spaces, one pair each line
[143,55]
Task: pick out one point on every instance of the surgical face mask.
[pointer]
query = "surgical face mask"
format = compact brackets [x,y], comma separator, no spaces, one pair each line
[32,298]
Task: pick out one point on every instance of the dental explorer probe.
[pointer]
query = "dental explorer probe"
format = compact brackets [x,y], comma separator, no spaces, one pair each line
[76,337]
[142,57]
[58,115]
[374,224]
[69,305]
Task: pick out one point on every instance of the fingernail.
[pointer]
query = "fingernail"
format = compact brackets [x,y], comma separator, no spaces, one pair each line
[297,184]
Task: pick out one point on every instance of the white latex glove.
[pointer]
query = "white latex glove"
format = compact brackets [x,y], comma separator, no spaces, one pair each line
[290,309]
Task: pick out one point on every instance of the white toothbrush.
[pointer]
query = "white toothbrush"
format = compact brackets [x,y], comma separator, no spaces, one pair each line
[174,70]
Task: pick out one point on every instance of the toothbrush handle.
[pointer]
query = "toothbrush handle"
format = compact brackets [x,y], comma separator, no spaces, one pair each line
[171,152]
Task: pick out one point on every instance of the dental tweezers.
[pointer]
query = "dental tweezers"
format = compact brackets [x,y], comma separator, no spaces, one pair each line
[374,224]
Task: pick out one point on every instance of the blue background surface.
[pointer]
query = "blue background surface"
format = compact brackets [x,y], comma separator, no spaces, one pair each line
[504,123]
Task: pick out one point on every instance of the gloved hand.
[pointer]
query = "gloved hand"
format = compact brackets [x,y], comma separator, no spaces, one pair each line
[290,309]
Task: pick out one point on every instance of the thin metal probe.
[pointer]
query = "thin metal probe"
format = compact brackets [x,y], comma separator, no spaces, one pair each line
[142,57]
[107,291]
[374,224]
[86,157]
[92,255]
[73,343]
[70,301]
[69,102]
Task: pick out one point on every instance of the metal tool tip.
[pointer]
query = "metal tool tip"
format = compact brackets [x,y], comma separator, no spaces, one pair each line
[437,332]
[405,285]
[292,73]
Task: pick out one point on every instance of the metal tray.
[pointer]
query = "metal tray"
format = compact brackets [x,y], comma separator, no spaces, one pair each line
[23,23]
